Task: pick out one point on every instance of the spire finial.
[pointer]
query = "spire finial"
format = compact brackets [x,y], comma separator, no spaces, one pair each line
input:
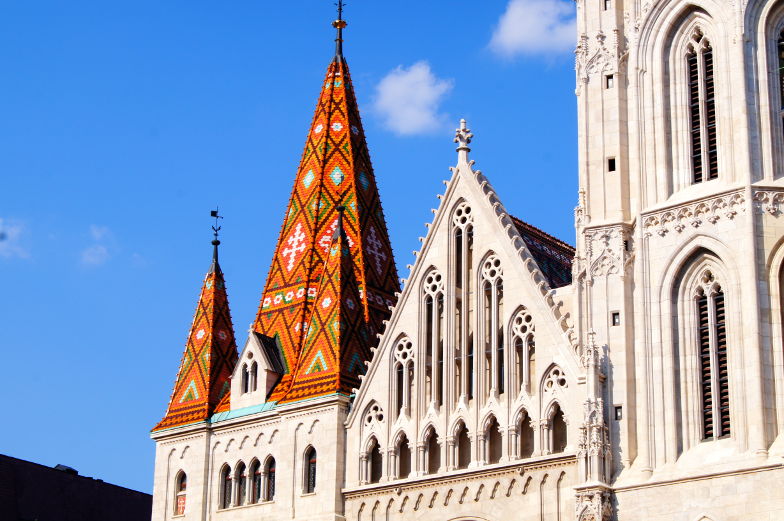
[215,229]
[339,24]
[463,137]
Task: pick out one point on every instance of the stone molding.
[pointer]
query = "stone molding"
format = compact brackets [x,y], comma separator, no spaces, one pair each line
[694,214]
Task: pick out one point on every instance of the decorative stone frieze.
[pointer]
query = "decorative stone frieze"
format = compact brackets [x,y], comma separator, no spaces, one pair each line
[694,214]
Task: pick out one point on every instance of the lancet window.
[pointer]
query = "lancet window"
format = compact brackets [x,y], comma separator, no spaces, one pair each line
[702,108]
[242,484]
[462,254]
[713,362]
[434,337]
[524,344]
[403,367]
[557,430]
[181,487]
[463,446]
[256,481]
[432,452]
[492,330]
[225,487]
[269,479]
[403,457]
[254,373]
[245,379]
[493,441]
[525,433]
[780,54]
[310,471]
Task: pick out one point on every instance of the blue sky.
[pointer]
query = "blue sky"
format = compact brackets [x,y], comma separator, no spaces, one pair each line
[124,123]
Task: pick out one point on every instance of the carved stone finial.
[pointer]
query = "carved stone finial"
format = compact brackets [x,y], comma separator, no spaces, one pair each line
[463,137]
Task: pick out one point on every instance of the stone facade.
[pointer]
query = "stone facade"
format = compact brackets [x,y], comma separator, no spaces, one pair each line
[648,386]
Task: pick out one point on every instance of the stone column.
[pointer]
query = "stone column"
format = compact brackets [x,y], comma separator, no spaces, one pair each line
[451,460]
[363,469]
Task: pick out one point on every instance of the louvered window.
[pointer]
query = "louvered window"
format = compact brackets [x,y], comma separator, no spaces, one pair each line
[780,50]
[702,109]
[714,370]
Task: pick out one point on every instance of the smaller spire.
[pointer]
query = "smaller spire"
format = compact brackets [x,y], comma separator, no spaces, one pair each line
[339,24]
[215,241]
[463,137]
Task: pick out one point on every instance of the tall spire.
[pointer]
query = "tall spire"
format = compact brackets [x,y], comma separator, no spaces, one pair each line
[335,170]
[337,339]
[339,24]
[209,357]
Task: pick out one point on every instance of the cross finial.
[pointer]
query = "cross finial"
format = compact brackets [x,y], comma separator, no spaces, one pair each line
[463,137]
[339,24]
[215,229]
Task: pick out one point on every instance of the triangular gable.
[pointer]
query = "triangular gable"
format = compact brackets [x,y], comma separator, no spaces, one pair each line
[506,231]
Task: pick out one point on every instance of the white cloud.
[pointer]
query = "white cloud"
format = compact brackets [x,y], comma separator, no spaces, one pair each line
[535,27]
[99,252]
[11,233]
[95,255]
[99,232]
[408,99]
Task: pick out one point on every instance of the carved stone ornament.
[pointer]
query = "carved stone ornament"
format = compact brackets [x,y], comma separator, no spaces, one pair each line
[594,505]
[608,251]
[693,215]
[769,201]
[600,57]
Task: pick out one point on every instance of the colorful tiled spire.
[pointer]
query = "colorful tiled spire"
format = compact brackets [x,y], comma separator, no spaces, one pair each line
[335,170]
[209,357]
[336,339]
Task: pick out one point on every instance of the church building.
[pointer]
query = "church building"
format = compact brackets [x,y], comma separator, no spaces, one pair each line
[636,376]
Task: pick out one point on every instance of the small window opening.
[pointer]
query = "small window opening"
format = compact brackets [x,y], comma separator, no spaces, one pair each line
[609,81]
[607,4]
[618,413]
[611,164]
[615,318]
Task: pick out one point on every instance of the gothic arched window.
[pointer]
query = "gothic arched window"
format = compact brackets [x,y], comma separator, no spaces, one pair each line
[254,374]
[526,437]
[403,364]
[712,345]
[494,441]
[780,55]
[433,449]
[245,379]
[225,484]
[462,253]
[525,350]
[181,485]
[375,462]
[492,329]
[557,430]
[269,479]
[702,108]
[463,443]
[242,484]
[310,470]
[403,458]
[256,481]
[434,336]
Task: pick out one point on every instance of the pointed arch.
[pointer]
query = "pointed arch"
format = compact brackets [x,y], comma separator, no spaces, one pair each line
[491,297]
[310,462]
[180,492]
[433,320]
[461,247]
[225,487]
